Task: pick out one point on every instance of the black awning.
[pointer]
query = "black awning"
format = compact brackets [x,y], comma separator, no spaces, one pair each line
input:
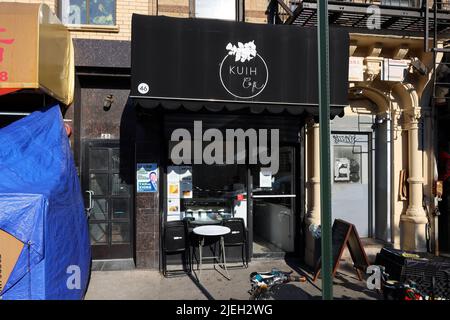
[241,107]
[220,65]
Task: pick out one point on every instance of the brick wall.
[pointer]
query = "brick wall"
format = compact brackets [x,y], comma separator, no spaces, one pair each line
[254,12]
[124,10]
[173,8]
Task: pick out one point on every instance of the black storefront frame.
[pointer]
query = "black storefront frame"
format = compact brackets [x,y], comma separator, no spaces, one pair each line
[297,175]
[190,79]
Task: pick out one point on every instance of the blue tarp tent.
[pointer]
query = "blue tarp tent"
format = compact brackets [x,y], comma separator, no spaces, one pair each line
[41,205]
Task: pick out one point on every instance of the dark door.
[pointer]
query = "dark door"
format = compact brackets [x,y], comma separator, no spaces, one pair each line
[110,220]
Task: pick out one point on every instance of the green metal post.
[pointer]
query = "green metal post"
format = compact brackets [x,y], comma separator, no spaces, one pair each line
[324,132]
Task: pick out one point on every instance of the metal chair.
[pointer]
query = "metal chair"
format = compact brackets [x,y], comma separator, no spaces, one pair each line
[175,241]
[237,237]
[192,240]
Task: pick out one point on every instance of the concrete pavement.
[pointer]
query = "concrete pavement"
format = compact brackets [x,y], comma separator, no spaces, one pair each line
[147,284]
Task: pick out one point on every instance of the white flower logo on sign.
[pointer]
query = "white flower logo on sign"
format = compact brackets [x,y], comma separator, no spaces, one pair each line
[243,52]
[246,75]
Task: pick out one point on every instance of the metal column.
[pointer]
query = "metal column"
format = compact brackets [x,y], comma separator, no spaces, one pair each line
[324,133]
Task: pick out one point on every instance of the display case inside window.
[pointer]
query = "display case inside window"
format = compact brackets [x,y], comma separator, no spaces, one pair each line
[207,209]
[206,193]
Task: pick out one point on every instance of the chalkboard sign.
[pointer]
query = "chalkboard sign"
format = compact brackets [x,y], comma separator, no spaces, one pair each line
[345,234]
[357,251]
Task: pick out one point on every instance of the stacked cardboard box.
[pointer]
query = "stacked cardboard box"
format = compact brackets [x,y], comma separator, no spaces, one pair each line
[10,249]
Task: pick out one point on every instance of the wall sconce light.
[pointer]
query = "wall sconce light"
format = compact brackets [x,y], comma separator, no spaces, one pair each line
[107,103]
[356,92]
[379,120]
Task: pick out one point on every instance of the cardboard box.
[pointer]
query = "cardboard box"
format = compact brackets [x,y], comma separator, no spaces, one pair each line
[10,249]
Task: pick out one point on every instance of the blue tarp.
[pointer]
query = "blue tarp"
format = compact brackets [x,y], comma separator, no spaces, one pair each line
[41,205]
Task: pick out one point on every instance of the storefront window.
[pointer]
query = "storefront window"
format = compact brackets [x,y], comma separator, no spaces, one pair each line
[218,9]
[90,12]
[206,192]
[281,183]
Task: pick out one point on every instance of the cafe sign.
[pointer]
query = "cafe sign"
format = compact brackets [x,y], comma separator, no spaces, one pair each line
[211,61]
[245,69]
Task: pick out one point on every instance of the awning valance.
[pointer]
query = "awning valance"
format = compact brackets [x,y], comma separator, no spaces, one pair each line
[218,65]
[226,107]
[36,51]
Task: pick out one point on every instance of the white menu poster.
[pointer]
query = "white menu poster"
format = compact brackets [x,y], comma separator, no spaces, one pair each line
[173,183]
[179,182]
[173,209]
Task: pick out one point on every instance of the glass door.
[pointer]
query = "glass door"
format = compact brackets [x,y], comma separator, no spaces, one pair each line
[110,220]
[273,197]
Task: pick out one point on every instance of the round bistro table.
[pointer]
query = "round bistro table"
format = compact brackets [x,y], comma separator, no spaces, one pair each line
[212,231]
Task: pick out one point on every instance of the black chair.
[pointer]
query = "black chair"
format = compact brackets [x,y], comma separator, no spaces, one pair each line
[188,220]
[237,237]
[175,241]
[192,238]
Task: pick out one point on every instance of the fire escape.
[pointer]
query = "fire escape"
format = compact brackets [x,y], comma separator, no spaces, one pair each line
[423,19]
[437,29]
[429,19]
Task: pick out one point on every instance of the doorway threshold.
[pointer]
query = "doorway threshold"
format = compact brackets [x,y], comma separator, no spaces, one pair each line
[263,249]
[268,255]
[113,265]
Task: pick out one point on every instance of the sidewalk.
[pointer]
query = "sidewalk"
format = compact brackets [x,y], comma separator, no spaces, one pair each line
[146,284]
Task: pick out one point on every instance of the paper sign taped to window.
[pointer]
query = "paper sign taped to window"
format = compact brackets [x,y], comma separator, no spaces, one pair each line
[265,179]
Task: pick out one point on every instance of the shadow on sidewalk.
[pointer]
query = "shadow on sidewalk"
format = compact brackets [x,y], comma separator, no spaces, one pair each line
[200,286]
[289,292]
